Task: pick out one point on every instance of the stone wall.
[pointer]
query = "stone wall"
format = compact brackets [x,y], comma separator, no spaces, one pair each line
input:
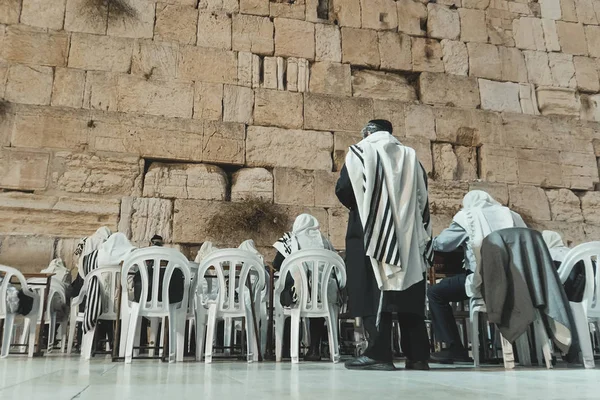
[153,119]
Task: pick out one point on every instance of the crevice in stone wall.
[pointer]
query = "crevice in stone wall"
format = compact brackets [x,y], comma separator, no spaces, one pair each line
[478,161]
[27,191]
[323,9]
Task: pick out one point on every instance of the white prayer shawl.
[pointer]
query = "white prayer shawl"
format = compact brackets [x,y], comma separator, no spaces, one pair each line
[58,282]
[114,251]
[480,216]
[391,196]
[558,250]
[91,244]
[209,290]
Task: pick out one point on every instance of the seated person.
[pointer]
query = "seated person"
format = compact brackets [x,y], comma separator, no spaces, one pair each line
[480,216]
[305,234]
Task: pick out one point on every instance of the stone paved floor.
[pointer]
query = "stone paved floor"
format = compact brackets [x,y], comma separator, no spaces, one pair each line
[61,378]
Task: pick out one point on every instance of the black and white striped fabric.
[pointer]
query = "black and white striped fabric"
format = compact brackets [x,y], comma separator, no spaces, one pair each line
[93,299]
[391,196]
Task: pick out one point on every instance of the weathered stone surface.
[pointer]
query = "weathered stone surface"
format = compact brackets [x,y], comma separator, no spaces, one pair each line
[499,191]
[568,11]
[253,34]
[585,12]
[558,101]
[590,205]
[294,38]
[472,25]
[590,110]
[23,169]
[185,181]
[442,22]
[538,67]
[499,164]
[223,142]
[467,163]
[562,69]
[207,65]
[564,205]
[586,73]
[142,218]
[39,250]
[104,53]
[278,108]
[539,167]
[177,23]
[10,11]
[331,113]
[551,35]
[256,7]
[395,51]
[338,223]
[328,43]
[572,38]
[579,170]
[412,16]
[445,163]
[330,78]
[68,88]
[347,12]
[279,147]
[43,14]
[500,31]
[382,85]
[419,122]
[514,68]
[171,99]
[29,84]
[208,101]
[529,34]
[48,215]
[269,73]
[446,197]
[468,127]
[252,183]
[78,18]
[342,141]
[592,35]
[500,96]
[455,57]
[360,47]
[238,104]
[530,202]
[379,14]
[484,61]
[155,59]
[551,9]
[294,186]
[285,9]
[100,91]
[98,174]
[325,182]
[427,55]
[33,46]
[456,91]
[142,26]
[528,97]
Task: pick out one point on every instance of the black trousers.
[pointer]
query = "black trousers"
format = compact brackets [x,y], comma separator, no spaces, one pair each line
[414,339]
[440,296]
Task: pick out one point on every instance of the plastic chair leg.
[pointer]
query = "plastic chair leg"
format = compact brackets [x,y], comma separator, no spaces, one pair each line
[180,331]
[332,329]
[9,322]
[200,332]
[131,332]
[210,334]
[173,320]
[295,336]
[153,335]
[524,350]
[228,327]
[72,327]
[32,335]
[583,333]
[88,343]
[250,338]
[542,342]
[25,334]
[475,338]
[279,324]
[124,329]
[51,332]
[508,354]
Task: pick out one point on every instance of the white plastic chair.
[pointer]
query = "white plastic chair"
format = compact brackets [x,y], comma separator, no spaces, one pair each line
[320,263]
[154,308]
[9,318]
[590,304]
[232,299]
[108,289]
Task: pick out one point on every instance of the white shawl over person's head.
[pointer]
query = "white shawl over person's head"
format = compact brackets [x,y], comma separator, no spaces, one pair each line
[391,196]
[91,244]
[555,244]
[305,234]
[114,250]
[250,246]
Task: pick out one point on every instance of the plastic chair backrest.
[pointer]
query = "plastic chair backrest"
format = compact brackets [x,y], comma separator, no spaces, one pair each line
[108,289]
[226,298]
[138,261]
[587,253]
[320,263]
[8,274]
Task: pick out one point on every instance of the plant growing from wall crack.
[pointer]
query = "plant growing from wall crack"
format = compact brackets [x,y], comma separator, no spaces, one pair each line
[116,9]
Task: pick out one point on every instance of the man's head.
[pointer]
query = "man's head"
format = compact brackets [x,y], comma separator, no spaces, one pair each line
[156,241]
[377,125]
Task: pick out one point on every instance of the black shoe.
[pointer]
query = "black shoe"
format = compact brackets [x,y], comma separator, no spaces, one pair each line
[312,355]
[417,365]
[449,356]
[366,363]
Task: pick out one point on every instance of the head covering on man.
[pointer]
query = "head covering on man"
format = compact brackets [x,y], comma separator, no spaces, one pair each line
[115,250]
[305,234]
[250,246]
[558,249]
[87,250]
[157,240]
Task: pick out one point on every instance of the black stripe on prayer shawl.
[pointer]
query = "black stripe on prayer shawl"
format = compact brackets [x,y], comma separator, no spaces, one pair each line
[379,249]
[375,200]
[93,301]
[427,221]
[354,150]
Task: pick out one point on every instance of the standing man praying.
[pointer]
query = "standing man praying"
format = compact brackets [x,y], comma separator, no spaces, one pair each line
[388,245]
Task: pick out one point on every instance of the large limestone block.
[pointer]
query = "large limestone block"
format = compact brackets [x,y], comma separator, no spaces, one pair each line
[412,17]
[382,86]
[538,68]
[500,31]
[446,197]
[325,182]
[572,38]
[499,191]
[347,12]
[29,84]
[551,35]
[484,61]
[592,35]
[500,96]
[208,101]
[139,26]
[223,142]
[279,148]
[39,251]
[445,163]
[43,13]
[238,104]
[395,51]
[449,90]
[590,205]
[23,169]
[467,163]
[255,7]
[528,97]
[579,170]
[419,122]
[294,186]
[530,202]
[564,205]
[99,174]
[252,183]
[442,22]
[185,181]
[294,38]
[254,34]
[472,25]
[539,167]
[34,46]
[10,11]
[103,53]
[558,101]
[177,23]
[586,11]
[68,88]
[328,43]
[154,59]
[514,68]
[331,113]
[286,9]
[529,33]
[551,9]
[338,224]
[427,55]
[163,98]
[81,16]
[48,215]
[207,65]
[278,108]
[360,47]
[331,78]
[341,143]
[468,127]
[498,164]
[142,218]
[379,14]
[455,57]
[586,73]
[562,69]
[590,108]
[101,91]
[568,11]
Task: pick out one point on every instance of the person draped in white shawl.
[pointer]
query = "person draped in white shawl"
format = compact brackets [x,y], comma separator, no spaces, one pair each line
[305,234]
[388,245]
[479,216]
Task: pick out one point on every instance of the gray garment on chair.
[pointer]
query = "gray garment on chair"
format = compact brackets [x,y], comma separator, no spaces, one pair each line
[518,278]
